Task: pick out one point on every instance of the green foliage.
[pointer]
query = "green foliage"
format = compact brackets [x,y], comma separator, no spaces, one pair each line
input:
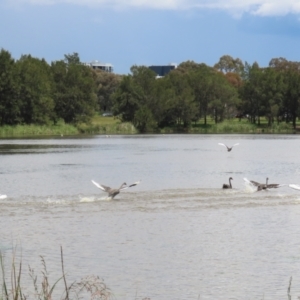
[35,84]
[34,92]
[229,64]
[143,119]
[10,104]
[291,95]
[183,108]
[134,100]
[40,130]
[72,58]
[106,85]
[125,100]
[74,92]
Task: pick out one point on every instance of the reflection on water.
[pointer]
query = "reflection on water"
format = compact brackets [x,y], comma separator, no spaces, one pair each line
[177,235]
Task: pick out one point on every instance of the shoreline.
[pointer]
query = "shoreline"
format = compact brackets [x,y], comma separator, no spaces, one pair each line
[115,127]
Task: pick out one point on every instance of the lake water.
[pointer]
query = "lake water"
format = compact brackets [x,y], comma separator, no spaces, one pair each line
[176,235]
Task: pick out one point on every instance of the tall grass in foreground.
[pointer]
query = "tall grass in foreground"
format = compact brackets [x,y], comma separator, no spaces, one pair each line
[89,287]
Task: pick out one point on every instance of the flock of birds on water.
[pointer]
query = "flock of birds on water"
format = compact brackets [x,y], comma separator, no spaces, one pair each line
[112,192]
[259,186]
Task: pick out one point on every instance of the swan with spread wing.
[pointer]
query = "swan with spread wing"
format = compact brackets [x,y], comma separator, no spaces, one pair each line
[114,192]
[228,148]
[263,186]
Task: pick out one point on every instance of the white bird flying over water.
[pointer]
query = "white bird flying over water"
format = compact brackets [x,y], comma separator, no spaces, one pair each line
[114,192]
[228,148]
[3,196]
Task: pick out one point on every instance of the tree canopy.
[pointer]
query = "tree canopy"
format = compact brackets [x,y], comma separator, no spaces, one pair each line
[33,91]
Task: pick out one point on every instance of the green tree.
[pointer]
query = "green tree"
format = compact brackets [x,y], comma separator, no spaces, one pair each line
[291,97]
[201,80]
[134,98]
[9,90]
[229,64]
[72,58]
[162,102]
[271,93]
[74,91]
[106,85]
[251,92]
[189,66]
[125,100]
[224,98]
[184,108]
[35,83]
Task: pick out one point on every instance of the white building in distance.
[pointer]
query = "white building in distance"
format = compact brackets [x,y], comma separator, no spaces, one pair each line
[96,65]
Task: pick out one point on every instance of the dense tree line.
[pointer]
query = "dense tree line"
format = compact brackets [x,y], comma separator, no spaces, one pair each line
[194,92]
[35,92]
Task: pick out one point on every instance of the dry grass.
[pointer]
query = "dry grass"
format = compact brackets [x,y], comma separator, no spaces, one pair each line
[89,287]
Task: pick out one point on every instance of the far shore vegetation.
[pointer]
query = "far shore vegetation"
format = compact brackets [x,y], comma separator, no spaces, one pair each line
[100,125]
[67,97]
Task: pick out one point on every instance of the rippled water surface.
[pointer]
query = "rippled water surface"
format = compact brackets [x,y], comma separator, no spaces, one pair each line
[176,235]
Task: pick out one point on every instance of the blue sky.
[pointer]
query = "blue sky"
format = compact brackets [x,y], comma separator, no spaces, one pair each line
[152,32]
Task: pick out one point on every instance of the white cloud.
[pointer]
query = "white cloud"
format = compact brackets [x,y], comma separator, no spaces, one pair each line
[256,7]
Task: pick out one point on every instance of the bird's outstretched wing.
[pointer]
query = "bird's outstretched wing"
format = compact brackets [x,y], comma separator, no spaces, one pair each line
[294,186]
[274,185]
[228,148]
[131,185]
[246,180]
[135,183]
[255,183]
[221,144]
[101,186]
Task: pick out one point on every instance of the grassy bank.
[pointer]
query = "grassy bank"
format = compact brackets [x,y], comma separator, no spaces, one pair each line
[111,125]
[106,125]
[37,130]
[98,125]
[234,126]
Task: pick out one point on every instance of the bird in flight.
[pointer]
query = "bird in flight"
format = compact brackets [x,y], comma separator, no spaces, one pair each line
[228,148]
[114,192]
